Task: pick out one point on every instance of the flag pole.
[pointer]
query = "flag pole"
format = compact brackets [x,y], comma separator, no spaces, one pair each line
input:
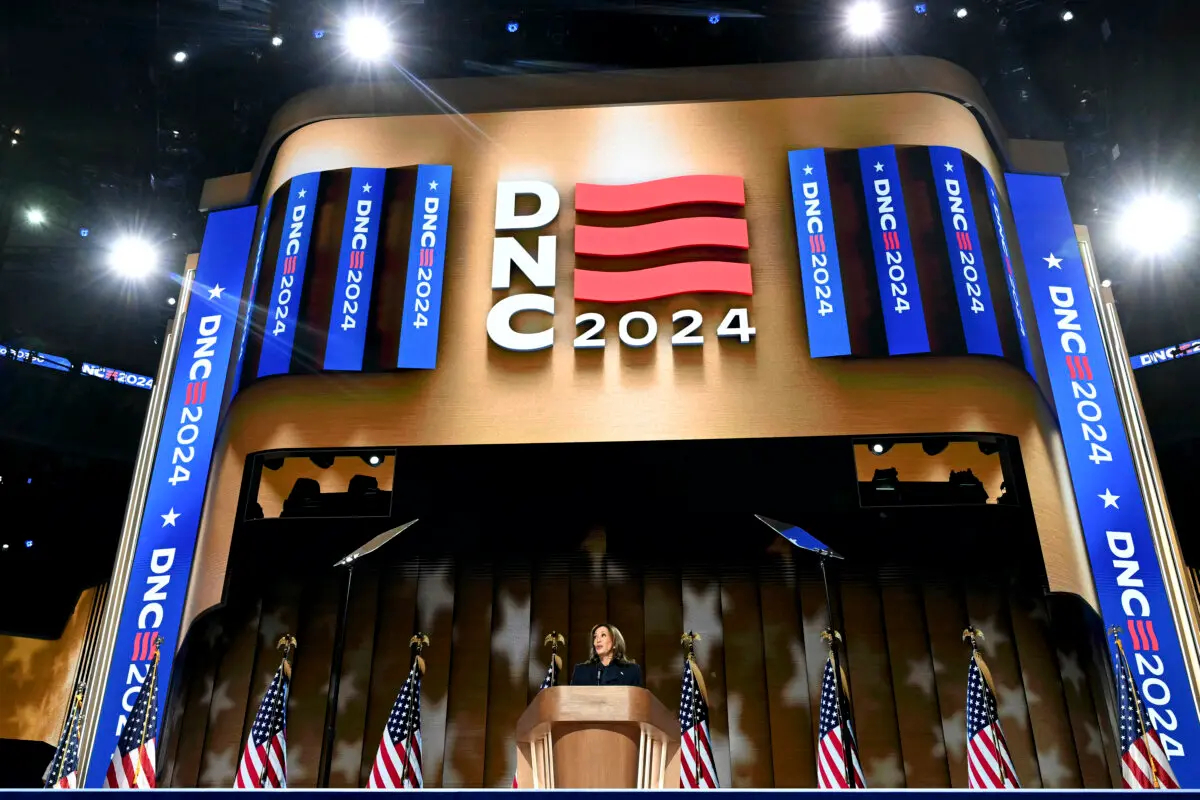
[833,636]
[419,641]
[287,643]
[1137,698]
[137,770]
[64,737]
[339,647]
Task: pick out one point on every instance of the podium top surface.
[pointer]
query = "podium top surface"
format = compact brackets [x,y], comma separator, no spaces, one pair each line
[598,704]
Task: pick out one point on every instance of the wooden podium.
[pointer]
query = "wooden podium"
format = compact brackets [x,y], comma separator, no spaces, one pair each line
[597,737]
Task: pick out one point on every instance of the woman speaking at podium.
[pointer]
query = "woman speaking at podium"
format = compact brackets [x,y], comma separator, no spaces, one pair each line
[608,664]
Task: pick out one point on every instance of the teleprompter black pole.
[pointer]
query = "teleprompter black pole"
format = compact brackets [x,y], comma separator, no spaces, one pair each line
[837,677]
[335,682]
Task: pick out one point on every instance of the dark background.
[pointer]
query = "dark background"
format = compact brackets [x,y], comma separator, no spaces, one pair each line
[112,135]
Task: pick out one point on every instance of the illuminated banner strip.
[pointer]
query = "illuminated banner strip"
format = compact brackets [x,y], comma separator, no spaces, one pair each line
[1127,572]
[820,267]
[903,312]
[249,313]
[980,328]
[166,543]
[279,331]
[356,271]
[426,264]
[20,354]
[117,376]
[1010,278]
[1169,354]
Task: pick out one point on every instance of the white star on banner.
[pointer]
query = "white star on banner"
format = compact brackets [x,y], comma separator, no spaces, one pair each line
[302,193]
[1052,262]
[878,166]
[808,170]
[1109,498]
[949,167]
[366,188]
[432,186]
[170,517]
[215,292]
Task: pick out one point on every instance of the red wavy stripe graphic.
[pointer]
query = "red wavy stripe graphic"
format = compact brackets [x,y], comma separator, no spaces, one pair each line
[655,237]
[598,198]
[647,284]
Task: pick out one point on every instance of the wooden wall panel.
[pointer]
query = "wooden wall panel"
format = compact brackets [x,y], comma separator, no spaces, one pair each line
[664,625]
[623,579]
[746,682]
[549,612]
[435,617]
[988,608]
[946,617]
[914,684]
[203,648]
[227,710]
[1048,715]
[785,665]
[870,676]
[466,714]
[509,671]
[589,597]
[350,731]
[395,623]
[310,678]
[280,615]
[702,614]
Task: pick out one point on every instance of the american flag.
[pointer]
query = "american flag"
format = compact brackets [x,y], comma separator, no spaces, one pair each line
[398,762]
[989,765]
[1144,764]
[264,761]
[132,765]
[64,768]
[696,767]
[548,681]
[831,744]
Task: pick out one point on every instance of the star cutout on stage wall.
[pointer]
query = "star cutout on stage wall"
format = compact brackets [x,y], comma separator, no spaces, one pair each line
[878,166]
[1109,498]
[215,292]
[1052,262]
[808,170]
[170,517]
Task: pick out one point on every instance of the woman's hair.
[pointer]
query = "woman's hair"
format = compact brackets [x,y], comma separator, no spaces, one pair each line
[618,645]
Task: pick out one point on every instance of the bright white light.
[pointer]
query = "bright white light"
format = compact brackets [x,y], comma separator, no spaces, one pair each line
[35,216]
[179,57]
[373,461]
[1154,224]
[1106,283]
[367,39]
[865,18]
[133,258]
[170,301]
[961,13]
[1068,15]
[276,41]
[877,449]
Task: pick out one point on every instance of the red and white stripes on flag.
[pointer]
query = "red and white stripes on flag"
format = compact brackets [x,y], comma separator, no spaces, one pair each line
[836,736]
[133,762]
[264,761]
[989,765]
[697,769]
[1144,763]
[398,762]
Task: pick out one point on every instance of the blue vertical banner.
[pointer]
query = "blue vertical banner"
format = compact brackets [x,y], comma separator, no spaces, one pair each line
[820,267]
[1010,278]
[1126,570]
[356,271]
[975,308]
[895,265]
[426,266]
[236,380]
[279,328]
[162,562]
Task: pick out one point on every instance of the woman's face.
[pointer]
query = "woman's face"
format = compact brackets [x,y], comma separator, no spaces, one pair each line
[602,641]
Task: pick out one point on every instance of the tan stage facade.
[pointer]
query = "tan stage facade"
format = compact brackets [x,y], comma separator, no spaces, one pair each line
[794,260]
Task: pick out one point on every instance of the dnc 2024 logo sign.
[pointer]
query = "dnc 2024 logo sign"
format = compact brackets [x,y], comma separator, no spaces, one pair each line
[633,243]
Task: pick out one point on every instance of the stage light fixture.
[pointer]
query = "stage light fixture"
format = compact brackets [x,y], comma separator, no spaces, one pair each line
[374,461]
[713,19]
[179,57]
[35,216]
[960,12]
[367,39]
[13,142]
[84,233]
[921,8]
[5,547]
[877,449]
[865,18]
[133,257]
[1106,283]
[1154,224]
[513,26]
[318,33]
[170,301]
[276,41]
[28,543]
[322,460]
[1068,15]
